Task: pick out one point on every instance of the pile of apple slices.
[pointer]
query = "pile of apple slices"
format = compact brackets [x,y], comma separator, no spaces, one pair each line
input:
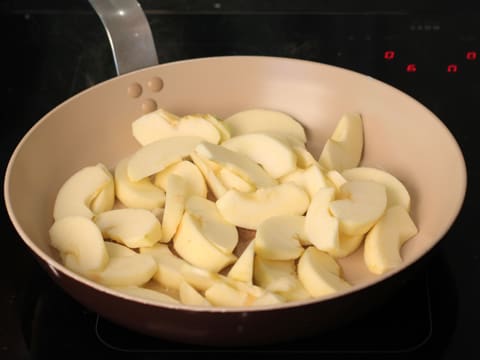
[232,212]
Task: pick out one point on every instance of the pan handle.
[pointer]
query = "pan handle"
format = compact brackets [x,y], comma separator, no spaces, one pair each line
[129,34]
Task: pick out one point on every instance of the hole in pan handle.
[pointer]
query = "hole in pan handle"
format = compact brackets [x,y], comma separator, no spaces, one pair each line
[129,34]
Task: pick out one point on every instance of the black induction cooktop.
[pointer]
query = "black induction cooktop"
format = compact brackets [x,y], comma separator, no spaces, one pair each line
[430,51]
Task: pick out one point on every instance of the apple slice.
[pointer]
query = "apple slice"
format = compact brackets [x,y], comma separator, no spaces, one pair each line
[105,200]
[118,250]
[361,204]
[233,181]
[343,150]
[311,179]
[136,194]
[320,273]
[125,268]
[248,210]
[277,237]
[221,294]
[191,242]
[397,193]
[321,228]
[384,241]
[347,245]
[195,183]
[214,183]
[265,120]
[168,273]
[248,287]
[269,298]
[173,270]
[147,294]
[176,194]
[162,124]
[237,162]
[336,179]
[275,156]
[158,155]
[305,158]
[132,227]
[242,270]
[274,275]
[78,237]
[80,189]
[296,292]
[190,296]
[199,278]
[219,125]
[214,227]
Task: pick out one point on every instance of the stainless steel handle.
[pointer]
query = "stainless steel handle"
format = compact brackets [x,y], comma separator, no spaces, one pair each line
[129,34]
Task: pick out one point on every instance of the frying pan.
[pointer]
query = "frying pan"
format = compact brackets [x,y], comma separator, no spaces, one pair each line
[401,136]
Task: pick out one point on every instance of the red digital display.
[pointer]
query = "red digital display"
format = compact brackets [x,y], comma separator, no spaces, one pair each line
[389,55]
[471,55]
[411,68]
[452,68]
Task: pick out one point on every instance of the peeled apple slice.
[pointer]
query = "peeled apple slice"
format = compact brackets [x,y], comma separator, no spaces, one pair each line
[269,298]
[78,238]
[215,185]
[212,224]
[195,183]
[384,241]
[248,210]
[190,296]
[105,200]
[321,228]
[311,179]
[277,238]
[347,245]
[134,228]
[169,266]
[343,150]
[275,275]
[361,204]
[219,125]
[275,156]
[320,273]
[231,180]
[118,250]
[242,270]
[336,179]
[237,162]
[221,294]
[397,193]
[304,156]
[176,195]
[156,156]
[265,120]
[173,270]
[136,194]
[80,189]
[161,124]
[123,269]
[193,245]
[147,294]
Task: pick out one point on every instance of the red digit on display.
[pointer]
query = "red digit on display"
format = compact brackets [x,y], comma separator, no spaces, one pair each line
[411,68]
[471,55]
[389,54]
[452,68]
